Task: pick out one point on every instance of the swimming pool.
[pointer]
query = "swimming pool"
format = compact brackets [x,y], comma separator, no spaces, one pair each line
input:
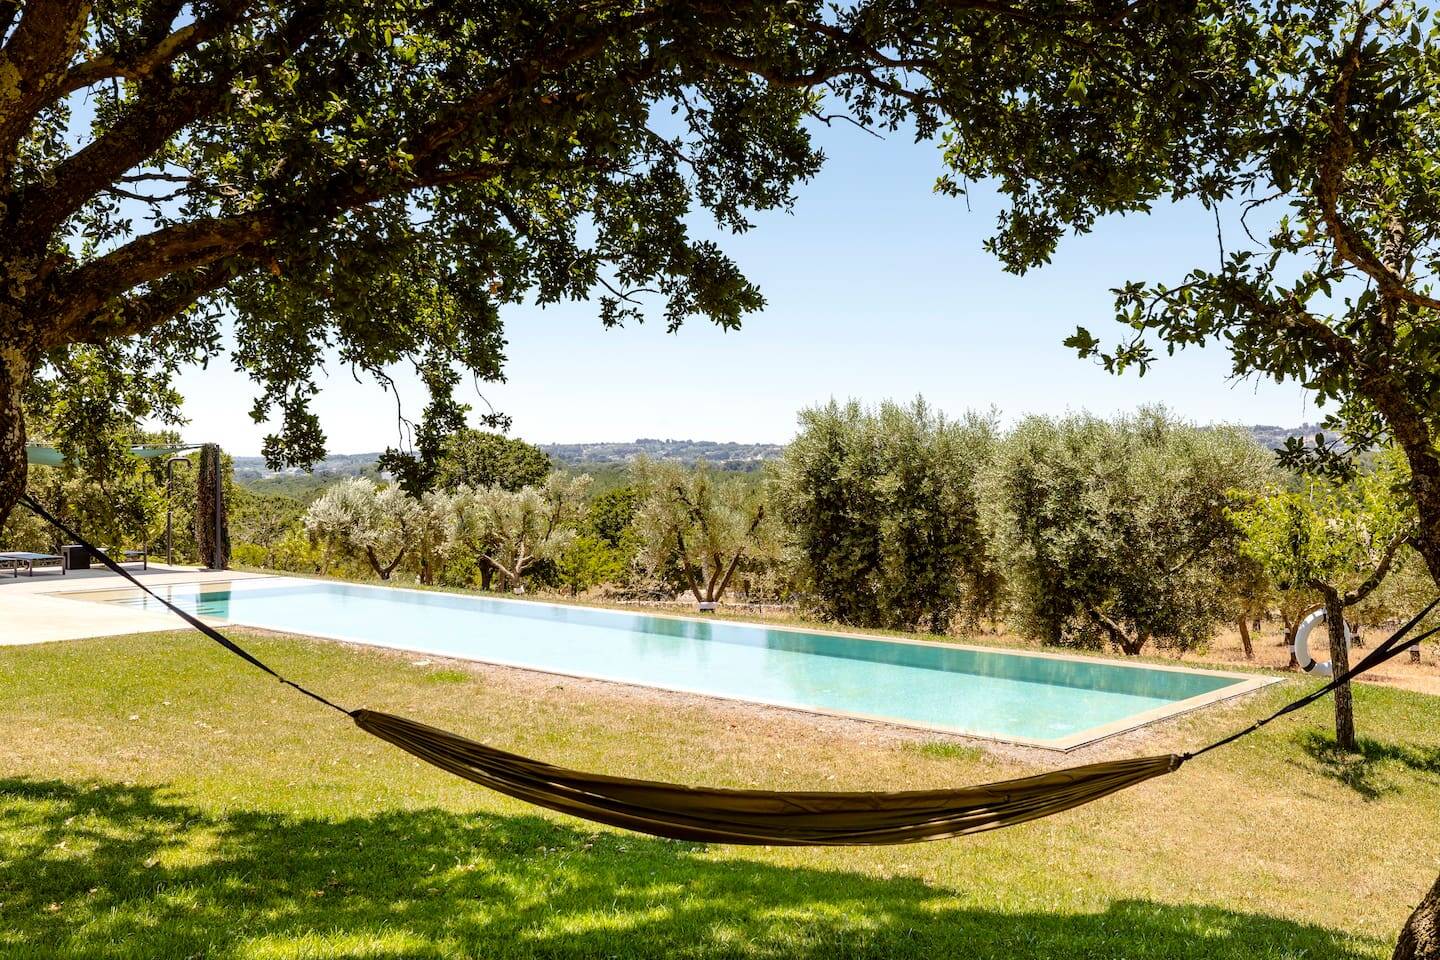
[1039,699]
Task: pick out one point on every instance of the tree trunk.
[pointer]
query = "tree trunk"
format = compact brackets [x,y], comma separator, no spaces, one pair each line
[1245,638]
[691,577]
[15,373]
[1420,939]
[383,570]
[427,574]
[1134,646]
[1339,663]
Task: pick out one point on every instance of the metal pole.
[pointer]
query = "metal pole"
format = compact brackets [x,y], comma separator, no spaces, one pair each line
[170,505]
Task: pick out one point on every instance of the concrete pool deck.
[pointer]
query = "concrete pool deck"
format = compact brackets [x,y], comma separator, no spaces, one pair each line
[30,611]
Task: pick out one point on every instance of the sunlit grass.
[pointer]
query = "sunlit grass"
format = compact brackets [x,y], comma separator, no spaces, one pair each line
[159,798]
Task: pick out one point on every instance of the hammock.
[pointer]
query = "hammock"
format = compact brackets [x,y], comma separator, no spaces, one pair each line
[768,817]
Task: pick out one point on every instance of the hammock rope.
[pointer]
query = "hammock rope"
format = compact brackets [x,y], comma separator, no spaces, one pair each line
[762,817]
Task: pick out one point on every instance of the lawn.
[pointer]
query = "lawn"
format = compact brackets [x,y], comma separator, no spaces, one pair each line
[159,798]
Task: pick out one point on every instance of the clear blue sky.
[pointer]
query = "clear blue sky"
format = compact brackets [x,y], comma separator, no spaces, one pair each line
[877,288]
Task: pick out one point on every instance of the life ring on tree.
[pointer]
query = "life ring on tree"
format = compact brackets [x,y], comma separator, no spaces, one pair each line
[1301,646]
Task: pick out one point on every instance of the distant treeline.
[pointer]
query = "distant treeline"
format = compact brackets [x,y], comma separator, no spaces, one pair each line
[596,459]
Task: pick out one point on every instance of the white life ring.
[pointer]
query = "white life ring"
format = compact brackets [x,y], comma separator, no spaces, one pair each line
[1302,643]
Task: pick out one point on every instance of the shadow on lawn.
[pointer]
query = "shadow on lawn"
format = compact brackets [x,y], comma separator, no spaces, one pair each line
[1364,770]
[141,876]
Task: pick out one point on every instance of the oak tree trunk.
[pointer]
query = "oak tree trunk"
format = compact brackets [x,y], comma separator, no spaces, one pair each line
[15,374]
[1420,938]
[1245,638]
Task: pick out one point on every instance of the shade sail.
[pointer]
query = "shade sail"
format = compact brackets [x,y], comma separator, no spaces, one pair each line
[40,455]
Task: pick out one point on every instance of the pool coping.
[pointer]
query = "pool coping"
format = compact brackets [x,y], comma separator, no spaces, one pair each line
[1244,683]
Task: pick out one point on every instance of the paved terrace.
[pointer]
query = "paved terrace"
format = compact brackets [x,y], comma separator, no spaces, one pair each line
[30,611]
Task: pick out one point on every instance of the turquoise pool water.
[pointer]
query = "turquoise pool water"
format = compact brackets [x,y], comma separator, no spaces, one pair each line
[987,693]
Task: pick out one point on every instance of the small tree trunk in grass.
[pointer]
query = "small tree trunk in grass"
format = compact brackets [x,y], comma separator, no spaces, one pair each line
[1245,639]
[1339,663]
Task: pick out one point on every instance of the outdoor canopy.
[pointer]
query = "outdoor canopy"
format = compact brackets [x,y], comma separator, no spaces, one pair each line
[768,817]
[40,455]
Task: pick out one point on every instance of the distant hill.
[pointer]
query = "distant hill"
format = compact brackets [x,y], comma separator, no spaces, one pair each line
[1274,437]
[740,457]
[727,456]
[334,464]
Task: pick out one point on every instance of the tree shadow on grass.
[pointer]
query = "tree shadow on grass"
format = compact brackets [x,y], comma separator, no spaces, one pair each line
[112,871]
[1364,771]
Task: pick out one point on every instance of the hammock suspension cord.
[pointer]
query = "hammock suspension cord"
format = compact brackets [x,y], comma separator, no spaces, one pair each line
[780,818]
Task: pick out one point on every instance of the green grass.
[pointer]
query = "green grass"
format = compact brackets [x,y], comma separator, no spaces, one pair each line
[160,799]
[946,750]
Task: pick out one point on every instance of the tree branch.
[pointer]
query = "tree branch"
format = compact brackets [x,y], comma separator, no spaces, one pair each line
[161,109]
[142,312]
[1378,574]
[735,561]
[33,64]
[143,64]
[1350,245]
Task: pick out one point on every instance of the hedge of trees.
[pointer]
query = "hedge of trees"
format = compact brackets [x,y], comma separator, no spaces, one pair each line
[1135,532]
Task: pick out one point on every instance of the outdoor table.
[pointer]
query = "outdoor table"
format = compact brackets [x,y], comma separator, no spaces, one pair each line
[29,560]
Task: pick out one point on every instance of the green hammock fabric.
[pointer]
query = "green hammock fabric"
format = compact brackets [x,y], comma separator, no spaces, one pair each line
[777,818]
[780,818]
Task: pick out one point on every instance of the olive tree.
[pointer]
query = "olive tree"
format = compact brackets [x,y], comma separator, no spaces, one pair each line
[881,513]
[1115,531]
[697,522]
[1339,538]
[512,530]
[263,520]
[381,524]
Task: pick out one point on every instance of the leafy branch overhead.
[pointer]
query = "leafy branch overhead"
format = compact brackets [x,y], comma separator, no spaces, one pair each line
[371,182]
[1329,279]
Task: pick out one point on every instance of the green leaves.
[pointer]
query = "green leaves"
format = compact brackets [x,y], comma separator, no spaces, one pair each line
[1332,532]
[1334,293]
[378,180]
[880,512]
[1114,532]
[1082,342]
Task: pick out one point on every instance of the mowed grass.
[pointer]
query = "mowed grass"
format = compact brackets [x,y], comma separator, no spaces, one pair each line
[161,799]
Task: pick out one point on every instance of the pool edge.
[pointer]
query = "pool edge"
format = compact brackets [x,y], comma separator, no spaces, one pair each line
[1243,683]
